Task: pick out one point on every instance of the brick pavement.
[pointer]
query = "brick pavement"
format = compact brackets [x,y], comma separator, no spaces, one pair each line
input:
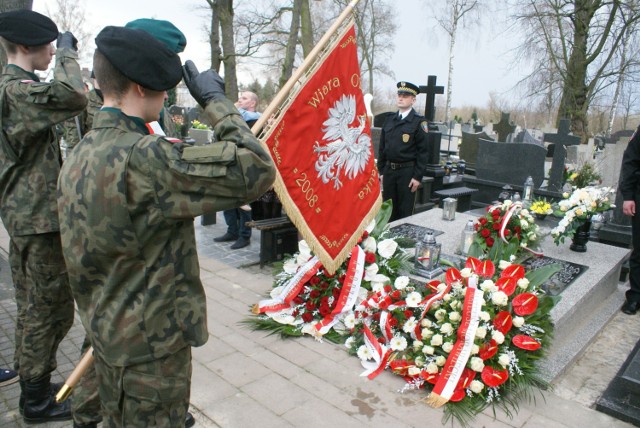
[242,378]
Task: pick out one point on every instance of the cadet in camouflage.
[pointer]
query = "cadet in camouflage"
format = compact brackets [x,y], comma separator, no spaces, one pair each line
[29,168]
[127,202]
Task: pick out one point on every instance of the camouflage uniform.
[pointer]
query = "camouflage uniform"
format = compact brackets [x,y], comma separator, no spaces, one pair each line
[29,168]
[127,202]
[94,104]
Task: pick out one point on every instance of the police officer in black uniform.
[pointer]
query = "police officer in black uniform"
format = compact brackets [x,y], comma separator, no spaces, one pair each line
[403,154]
[630,189]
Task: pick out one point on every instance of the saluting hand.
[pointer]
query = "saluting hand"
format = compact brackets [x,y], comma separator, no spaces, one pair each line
[205,86]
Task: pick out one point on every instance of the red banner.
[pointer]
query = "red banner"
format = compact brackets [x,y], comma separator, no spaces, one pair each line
[321,144]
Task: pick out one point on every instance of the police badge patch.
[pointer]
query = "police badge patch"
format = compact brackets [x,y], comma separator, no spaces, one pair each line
[405,138]
[424,125]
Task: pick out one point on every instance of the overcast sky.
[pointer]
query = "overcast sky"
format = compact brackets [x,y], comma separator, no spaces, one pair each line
[482,63]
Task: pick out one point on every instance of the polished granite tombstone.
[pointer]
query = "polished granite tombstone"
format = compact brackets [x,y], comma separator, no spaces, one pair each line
[585,306]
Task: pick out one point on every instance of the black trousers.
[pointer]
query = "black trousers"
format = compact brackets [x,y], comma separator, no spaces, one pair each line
[395,186]
[633,294]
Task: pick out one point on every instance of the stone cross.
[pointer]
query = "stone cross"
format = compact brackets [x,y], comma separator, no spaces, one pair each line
[561,139]
[504,127]
[431,90]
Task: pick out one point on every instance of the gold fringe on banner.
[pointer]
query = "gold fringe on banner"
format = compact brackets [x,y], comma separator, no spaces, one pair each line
[435,400]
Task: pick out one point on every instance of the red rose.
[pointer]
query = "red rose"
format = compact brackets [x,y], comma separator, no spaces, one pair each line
[381,339]
[298,300]
[485,233]
[295,313]
[336,292]
[490,242]
[408,313]
[328,275]
[496,226]
[369,258]
[517,229]
[324,301]
[341,279]
[310,305]
[324,285]
[396,295]
[393,322]
[495,212]
[315,280]
[388,288]
[483,221]
[307,317]
[325,310]
[507,232]
[314,294]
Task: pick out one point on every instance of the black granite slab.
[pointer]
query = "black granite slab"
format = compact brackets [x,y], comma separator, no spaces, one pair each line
[568,273]
[413,231]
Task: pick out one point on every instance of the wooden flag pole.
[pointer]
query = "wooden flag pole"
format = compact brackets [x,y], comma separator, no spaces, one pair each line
[308,61]
[74,377]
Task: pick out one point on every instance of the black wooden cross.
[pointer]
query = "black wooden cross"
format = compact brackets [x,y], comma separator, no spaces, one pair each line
[561,139]
[431,90]
[504,127]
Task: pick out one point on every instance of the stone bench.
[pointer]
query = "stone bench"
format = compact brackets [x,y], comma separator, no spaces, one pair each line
[278,236]
[462,194]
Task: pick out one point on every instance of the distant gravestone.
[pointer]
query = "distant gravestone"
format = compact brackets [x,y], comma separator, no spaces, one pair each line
[431,90]
[504,127]
[375,138]
[478,128]
[468,149]
[560,140]
[529,138]
[497,162]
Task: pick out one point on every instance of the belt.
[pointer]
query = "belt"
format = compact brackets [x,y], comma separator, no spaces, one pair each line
[394,165]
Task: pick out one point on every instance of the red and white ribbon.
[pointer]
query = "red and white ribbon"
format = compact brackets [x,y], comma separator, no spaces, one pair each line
[348,293]
[459,355]
[513,209]
[291,290]
[430,300]
[380,355]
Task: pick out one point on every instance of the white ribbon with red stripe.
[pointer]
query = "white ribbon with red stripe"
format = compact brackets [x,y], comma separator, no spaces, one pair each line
[459,355]
[379,352]
[513,209]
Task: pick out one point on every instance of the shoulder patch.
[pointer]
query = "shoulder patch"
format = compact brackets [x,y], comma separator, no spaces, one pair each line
[173,140]
[424,125]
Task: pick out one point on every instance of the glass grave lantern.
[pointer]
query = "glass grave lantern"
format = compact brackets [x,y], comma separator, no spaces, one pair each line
[427,260]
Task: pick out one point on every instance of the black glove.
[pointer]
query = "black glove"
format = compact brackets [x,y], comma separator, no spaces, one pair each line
[205,86]
[67,40]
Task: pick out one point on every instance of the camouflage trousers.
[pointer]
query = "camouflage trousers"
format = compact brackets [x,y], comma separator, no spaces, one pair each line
[44,302]
[85,404]
[153,394]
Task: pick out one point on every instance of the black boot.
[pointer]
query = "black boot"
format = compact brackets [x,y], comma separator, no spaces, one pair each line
[55,387]
[40,403]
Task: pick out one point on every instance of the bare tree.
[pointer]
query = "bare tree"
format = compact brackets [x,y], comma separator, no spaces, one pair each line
[222,43]
[7,6]
[453,15]
[69,15]
[581,38]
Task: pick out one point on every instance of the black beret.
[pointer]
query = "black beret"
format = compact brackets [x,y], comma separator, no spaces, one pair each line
[140,57]
[28,28]
[408,88]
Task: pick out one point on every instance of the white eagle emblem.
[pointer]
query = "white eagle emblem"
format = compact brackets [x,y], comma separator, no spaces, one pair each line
[348,149]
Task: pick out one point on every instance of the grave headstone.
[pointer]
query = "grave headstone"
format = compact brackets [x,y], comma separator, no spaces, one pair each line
[496,162]
[468,149]
[504,127]
[561,139]
[431,90]
[528,137]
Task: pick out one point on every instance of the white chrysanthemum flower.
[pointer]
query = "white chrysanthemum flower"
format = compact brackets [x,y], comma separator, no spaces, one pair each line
[371,271]
[447,347]
[387,247]
[401,282]
[398,343]
[446,329]
[413,299]
[481,332]
[476,386]
[498,337]
[349,320]
[455,316]
[518,322]
[432,368]
[499,298]
[504,360]
[369,244]
[523,283]
[476,364]
[428,350]
[364,353]
[410,325]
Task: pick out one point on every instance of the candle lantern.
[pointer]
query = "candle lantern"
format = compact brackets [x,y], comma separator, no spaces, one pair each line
[427,260]
[467,237]
[449,206]
[462,166]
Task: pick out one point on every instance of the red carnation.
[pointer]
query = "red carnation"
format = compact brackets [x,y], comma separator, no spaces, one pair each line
[369,258]
[396,295]
[388,288]
[393,322]
[307,317]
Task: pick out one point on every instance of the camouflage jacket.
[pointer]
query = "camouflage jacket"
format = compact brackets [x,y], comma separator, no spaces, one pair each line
[127,202]
[94,104]
[29,151]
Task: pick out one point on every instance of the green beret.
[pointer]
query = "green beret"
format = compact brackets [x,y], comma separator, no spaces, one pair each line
[28,28]
[407,88]
[164,31]
[140,57]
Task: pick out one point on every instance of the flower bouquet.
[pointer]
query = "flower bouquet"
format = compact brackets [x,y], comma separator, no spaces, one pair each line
[578,207]
[583,176]
[541,208]
[508,223]
[488,327]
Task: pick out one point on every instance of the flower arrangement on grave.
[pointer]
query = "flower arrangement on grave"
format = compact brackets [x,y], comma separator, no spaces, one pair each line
[583,176]
[541,208]
[507,222]
[578,207]
[196,124]
[489,326]
[306,299]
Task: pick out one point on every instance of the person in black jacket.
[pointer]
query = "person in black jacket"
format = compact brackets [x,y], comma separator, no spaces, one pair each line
[403,154]
[630,189]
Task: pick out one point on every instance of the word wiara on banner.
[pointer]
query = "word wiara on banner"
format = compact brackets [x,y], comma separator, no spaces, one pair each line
[320,140]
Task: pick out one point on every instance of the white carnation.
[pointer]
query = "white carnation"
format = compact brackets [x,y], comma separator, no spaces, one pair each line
[447,347]
[499,298]
[476,386]
[428,350]
[498,337]
[476,364]
[481,332]
[401,282]
[413,299]
[504,360]
[518,322]
[436,340]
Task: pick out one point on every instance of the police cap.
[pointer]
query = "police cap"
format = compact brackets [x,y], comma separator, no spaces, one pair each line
[28,28]
[140,57]
[162,30]
[407,88]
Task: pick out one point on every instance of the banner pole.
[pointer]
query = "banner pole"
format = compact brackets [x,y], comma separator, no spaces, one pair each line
[75,376]
[308,61]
